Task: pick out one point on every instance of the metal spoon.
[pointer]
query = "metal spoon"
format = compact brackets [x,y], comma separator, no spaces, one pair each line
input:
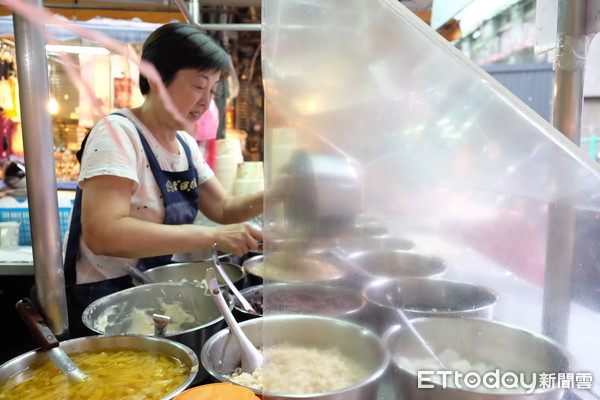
[215,258]
[48,341]
[251,357]
[137,274]
[415,333]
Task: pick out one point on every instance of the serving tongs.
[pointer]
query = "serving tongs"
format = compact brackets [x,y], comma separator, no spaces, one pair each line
[48,341]
[245,304]
[251,357]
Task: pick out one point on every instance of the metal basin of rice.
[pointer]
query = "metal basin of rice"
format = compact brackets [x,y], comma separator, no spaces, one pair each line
[473,345]
[221,354]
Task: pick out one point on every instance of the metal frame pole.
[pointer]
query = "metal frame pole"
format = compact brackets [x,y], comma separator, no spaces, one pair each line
[570,66]
[568,105]
[195,4]
[38,143]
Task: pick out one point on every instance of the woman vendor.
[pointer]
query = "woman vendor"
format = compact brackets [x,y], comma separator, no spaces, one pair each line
[143,178]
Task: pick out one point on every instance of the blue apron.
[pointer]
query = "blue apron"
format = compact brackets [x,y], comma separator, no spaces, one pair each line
[180,195]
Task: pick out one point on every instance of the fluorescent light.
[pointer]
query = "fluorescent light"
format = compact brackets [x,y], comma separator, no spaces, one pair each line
[57,48]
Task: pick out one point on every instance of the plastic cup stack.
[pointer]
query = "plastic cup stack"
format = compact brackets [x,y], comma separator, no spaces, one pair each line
[250,178]
[229,155]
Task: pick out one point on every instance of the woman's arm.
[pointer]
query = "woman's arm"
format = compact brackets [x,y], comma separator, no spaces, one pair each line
[109,230]
[221,208]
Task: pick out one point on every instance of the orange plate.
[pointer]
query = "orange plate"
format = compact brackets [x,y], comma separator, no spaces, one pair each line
[217,391]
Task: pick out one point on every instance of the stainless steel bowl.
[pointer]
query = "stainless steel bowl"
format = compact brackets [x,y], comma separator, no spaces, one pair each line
[322,194]
[303,298]
[283,268]
[221,353]
[385,263]
[183,353]
[369,226]
[306,246]
[195,272]
[359,244]
[347,246]
[194,315]
[498,345]
[425,297]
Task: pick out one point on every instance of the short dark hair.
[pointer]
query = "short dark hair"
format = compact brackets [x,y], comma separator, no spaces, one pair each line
[178,45]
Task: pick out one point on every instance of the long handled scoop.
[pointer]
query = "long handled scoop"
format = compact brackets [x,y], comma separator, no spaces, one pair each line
[215,258]
[48,341]
[251,357]
[415,333]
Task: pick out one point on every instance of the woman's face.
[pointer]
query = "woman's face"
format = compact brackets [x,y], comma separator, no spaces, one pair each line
[191,91]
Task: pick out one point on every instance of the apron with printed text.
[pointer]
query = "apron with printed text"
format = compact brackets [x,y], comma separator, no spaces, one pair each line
[179,191]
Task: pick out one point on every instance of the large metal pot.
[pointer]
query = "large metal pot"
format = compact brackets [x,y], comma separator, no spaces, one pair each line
[15,367]
[323,193]
[506,348]
[195,272]
[425,297]
[199,255]
[222,354]
[194,315]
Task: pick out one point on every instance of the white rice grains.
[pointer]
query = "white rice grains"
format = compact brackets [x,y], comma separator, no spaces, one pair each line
[292,369]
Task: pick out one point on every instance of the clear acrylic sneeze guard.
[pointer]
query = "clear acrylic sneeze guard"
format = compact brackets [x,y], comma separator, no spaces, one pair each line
[378,128]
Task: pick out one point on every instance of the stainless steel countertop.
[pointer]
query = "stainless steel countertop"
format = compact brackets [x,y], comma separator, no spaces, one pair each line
[16,262]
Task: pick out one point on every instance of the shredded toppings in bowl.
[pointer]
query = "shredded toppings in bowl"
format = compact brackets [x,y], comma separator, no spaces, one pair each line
[124,374]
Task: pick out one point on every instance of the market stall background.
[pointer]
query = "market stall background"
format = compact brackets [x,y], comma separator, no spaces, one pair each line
[240,104]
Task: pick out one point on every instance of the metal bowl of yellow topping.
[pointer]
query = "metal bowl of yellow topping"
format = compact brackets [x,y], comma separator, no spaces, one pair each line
[119,367]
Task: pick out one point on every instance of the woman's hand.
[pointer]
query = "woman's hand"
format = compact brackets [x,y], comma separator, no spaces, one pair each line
[237,239]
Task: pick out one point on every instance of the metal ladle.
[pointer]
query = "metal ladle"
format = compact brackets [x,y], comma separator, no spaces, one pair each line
[415,333]
[251,357]
[48,342]
[215,258]
[137,274]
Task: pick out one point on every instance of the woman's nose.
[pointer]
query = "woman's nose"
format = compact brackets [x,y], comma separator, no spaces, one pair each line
[205,99]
